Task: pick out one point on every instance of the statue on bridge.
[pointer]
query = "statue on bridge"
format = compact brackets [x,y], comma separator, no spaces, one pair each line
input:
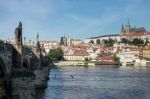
[37,37]
[18,34]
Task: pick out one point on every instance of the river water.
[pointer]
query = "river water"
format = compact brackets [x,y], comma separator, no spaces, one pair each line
[97,83]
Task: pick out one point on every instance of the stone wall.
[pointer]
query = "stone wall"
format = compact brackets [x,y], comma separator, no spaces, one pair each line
[41,77]
[24,82]
[23,88]
[5,55]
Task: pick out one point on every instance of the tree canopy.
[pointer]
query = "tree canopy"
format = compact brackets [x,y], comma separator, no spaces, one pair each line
[56,54]
[98,41]
[91,42]
[124,40]
[137,42]
[146,42]
[109,42]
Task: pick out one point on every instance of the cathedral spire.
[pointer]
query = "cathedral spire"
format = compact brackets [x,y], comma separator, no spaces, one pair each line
[128,23]
[122,29]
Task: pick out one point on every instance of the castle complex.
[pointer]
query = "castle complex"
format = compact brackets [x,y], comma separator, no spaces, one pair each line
[129,30]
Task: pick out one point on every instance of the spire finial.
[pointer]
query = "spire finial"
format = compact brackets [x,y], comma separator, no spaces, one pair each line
[122,25]
[128,22]
[122,28]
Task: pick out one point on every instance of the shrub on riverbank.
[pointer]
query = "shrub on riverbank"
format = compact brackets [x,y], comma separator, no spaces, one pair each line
[116,59]
[55,54]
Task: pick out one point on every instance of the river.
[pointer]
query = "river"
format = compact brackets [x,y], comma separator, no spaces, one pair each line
[97,83]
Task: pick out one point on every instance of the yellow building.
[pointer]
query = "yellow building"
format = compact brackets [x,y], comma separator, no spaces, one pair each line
[76,42]
[75,57]
[146,52]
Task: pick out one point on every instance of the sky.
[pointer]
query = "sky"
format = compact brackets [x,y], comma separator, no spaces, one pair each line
[79,19]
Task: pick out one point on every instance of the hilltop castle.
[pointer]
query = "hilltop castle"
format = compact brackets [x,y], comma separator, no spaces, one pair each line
[128,30]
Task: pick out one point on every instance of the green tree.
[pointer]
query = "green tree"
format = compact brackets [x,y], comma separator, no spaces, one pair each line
[137,42]
[98,41]
[56,54]
[146,42]
[111,42]
[105,42]
[91,42]
[124,40]
[117,59]
[86,59]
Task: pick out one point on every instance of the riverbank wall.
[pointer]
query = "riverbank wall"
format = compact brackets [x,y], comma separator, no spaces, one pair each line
[74,63]
[84,63]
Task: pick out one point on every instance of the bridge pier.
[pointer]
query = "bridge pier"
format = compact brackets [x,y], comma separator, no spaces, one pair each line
[41,77]
[23,88]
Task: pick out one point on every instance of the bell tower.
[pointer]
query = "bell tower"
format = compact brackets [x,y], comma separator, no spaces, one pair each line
[128,28]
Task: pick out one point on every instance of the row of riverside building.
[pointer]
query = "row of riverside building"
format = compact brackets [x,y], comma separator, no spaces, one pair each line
[129,55]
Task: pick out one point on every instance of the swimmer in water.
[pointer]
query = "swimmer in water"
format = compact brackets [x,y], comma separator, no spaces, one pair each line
[71,76]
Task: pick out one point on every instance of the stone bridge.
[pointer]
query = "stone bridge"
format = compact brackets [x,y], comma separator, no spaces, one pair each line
[19,65]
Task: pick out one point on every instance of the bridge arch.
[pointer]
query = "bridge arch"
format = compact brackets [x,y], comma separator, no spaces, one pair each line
[25,63]
[3,80]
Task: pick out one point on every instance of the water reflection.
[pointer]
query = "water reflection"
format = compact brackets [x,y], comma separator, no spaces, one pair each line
[98,83]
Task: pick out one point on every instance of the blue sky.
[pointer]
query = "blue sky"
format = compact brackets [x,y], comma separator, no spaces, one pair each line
[77,18]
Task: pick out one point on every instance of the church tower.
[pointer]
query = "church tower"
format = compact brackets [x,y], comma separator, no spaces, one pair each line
[128,28]
[122,29]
